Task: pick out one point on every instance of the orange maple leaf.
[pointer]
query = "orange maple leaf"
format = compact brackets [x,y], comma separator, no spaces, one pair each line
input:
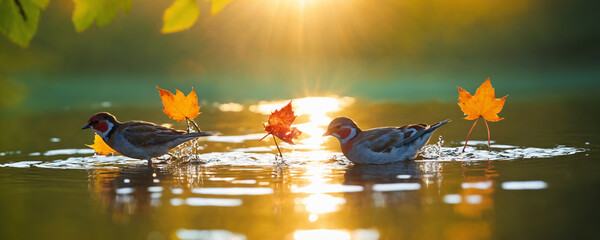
[482,104]
[178,106]
[280,125]
[100,146]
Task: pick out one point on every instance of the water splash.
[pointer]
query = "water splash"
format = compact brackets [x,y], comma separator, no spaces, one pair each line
[191,153]
[187,151]
[93,162]
[434,150]
[506,153]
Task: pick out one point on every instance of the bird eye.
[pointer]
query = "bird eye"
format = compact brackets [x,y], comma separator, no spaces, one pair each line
[94,122]
[338,127]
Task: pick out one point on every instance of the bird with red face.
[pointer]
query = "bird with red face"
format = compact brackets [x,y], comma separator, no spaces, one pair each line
[380,145]
[139,139]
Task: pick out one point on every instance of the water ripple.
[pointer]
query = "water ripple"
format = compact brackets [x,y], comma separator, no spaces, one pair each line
[524,185]
[233,191]
[192,234]
[240,158]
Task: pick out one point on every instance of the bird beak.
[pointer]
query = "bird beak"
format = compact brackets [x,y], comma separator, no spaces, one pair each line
[328,133]
[86,126]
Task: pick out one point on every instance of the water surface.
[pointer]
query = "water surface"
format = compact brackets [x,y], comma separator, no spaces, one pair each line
[539,181]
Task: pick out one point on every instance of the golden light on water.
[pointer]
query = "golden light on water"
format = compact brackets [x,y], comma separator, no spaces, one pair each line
[303,3]
[230,107]
[308,105]
[321,234]
[322,203]
[316,234]
[319,201]
[317,109]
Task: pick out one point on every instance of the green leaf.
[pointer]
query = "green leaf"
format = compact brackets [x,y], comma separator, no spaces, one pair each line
[19,19]
[218,5]
[101,11]
[180,16]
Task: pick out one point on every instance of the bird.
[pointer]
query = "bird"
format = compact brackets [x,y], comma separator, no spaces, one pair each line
[380,145]
[139,139]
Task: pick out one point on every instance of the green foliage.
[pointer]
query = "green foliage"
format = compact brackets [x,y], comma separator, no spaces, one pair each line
[218,5]
[19,19]
[101,11]
[181,15]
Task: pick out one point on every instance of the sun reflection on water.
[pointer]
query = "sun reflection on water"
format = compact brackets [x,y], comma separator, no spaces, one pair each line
[321,234]
[316,108]
[366,234]
[322,203]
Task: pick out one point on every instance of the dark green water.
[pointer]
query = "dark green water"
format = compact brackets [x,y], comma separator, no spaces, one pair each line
[249,196]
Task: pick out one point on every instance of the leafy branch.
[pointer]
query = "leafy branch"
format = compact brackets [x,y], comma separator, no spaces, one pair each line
[20,17]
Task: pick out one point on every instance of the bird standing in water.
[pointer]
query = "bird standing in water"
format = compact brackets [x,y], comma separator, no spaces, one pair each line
[139,139]
[380,145]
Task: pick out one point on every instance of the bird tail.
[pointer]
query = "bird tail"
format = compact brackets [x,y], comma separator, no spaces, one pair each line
[434,126]
[203,134]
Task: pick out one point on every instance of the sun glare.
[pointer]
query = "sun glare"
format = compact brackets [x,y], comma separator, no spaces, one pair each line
[322,203]
[305,3]
[319,201]
[316,108]
[321,234]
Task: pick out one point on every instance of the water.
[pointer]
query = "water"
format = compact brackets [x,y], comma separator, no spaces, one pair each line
[538,181]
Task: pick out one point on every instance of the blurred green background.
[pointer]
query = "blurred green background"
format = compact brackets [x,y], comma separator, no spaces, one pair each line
[386,50]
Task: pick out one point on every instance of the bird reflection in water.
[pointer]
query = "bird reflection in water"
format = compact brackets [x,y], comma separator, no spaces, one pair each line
[307,197]
[126,191]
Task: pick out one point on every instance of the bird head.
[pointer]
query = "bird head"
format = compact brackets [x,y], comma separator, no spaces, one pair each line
[102,123]
[343,128]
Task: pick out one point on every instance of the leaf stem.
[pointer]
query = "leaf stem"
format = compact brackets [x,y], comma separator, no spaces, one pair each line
[470,134]
[193,122]
[276,145]
[488,129]
[264,137]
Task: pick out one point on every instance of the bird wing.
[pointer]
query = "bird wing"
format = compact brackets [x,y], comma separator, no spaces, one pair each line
[385,139]
[145,133]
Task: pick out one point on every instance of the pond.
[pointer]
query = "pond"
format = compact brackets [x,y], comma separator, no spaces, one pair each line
[539,180]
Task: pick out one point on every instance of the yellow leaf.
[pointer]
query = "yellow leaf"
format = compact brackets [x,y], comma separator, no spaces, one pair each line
[218,5]
[100,146]
[181,15]
[178,106]
[482,104]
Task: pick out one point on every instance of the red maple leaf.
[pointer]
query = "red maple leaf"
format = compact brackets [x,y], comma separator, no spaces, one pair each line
[280,125]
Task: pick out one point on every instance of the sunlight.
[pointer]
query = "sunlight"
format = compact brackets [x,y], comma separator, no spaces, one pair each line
[322,203]
[319,201]
[316,108]
[315,234]
[230,107]
[321,234]
[304,3]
